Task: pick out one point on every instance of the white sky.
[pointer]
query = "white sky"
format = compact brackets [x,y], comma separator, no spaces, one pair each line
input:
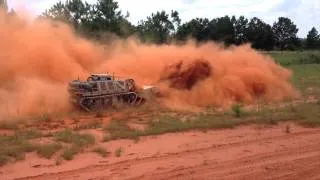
[305,13]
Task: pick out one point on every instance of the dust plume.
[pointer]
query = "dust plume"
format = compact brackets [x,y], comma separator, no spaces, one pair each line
[182,77]
[39,58]
[194,76]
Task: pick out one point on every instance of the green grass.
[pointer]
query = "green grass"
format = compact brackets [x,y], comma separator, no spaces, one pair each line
[69,153]
[202,121]
[29,134]
[118,129]
[166,124]
[309,114]
[305,77]
[48,150]
[237,110]
[14,148]
[305,114]
[305,66]
[286,58]
[77,139]
[101,151]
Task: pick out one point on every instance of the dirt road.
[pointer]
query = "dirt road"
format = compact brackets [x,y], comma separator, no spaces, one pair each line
[248,152]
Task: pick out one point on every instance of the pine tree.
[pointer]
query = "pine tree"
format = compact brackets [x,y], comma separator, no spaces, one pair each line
[313,39]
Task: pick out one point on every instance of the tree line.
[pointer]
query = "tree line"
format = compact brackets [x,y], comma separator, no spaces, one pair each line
[161,27]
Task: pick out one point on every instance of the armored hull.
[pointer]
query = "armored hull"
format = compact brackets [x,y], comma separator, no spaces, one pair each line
[101,91]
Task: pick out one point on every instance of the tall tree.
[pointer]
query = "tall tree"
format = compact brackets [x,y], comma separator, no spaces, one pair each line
[285,33]
[92,19]
[157,28]
[175,18]
[106,16]
[196,28]
[78,12]
[58,12]
[260,34]
[240,29]
[222,29]
[313,39]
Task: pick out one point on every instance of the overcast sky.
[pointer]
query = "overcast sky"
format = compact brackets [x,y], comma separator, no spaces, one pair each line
[305,13]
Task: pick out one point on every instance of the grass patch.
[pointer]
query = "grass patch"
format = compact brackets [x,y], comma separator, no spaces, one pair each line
[306,77]
[77,139]
[305,66]
[70,152]
[118,129]
[14,148]
[101,151]
[237,110]
[286,58]
[165,124]
[48,150]
[118,152]
[305,114]
[29,134]
[308,114]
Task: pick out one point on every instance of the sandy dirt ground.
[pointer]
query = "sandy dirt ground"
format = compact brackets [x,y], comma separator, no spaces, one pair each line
[247,152]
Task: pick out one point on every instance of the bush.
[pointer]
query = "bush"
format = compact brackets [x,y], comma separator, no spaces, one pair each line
[237,110]
[48,150]
[69,153]
[100,150]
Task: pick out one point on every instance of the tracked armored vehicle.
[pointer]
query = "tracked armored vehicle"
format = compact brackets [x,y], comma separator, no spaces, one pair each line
[101,91]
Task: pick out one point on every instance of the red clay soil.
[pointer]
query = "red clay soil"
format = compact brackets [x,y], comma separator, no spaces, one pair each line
[248,152]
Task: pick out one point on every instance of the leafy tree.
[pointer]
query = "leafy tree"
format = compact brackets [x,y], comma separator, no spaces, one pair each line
[175,18]
[313,39]
[157,28]
[285,33]
[92,19]
[103,16]
[78,12]
[196,28]
[222,29]
[260,34]
[240,29]
[58,12]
